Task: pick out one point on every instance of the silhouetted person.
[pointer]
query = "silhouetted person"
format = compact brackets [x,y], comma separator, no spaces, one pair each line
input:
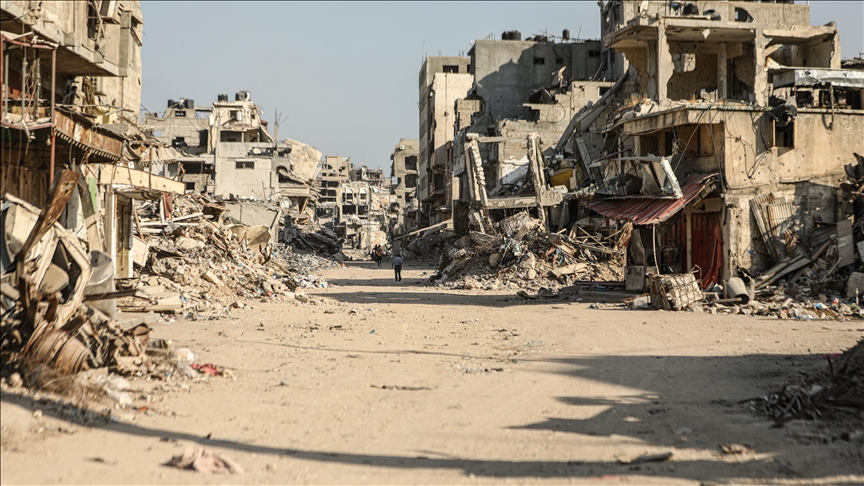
[397,266]
[378,255]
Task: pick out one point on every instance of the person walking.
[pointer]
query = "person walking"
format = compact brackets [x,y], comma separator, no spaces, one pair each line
[378,255]
[397,266]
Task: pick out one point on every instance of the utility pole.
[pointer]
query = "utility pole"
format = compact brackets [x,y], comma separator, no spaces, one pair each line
[277,120]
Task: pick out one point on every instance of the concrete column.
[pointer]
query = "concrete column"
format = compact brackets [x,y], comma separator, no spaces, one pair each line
[651,52]
[835,53]
[760,83]
[722,90]
[664,62]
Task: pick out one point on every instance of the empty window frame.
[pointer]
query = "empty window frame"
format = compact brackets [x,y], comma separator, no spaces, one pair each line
[411,162]
[539,61]
[450,68]
[784,136]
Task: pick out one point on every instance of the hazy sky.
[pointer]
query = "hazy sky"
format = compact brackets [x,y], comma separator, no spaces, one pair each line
[345,75]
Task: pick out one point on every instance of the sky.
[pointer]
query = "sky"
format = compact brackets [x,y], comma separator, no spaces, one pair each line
[344,75]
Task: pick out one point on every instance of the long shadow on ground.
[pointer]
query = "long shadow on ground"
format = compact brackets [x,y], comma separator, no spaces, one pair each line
[671,391]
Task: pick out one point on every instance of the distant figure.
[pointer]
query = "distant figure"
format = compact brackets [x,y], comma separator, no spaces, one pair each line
[378,254]
[397,266]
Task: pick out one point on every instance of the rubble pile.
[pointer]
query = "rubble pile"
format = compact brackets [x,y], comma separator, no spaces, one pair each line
[836,392]
[197,263]
[50,326]
[523,255]
[313,237]
[433,243]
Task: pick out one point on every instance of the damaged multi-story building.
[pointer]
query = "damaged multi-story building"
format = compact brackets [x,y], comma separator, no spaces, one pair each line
[723,133]
[524,98]
[736,127]
[443,80]
[333,172]
[404,170]
[71,91]
[227,150]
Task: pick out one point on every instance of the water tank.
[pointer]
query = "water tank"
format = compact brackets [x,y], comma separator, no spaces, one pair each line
[242,96]
[190,104]
[222,97]
[566,34]
[512,35]
[171,103]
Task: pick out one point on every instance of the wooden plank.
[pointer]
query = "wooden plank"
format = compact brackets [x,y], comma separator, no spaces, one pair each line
[803,262]
[112,174]
[568,269]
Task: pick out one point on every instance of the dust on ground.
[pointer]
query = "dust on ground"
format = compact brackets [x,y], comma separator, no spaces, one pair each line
[379,382]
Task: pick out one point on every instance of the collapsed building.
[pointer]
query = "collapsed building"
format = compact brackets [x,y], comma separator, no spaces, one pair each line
[74,165]
[333,171]
[736,130]
[524,98]
[404,169]
[226,150]
[722,136]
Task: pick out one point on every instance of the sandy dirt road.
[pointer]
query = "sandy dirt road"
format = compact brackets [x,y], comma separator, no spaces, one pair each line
[386,383]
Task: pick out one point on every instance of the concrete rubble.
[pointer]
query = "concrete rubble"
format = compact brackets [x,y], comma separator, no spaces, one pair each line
[518,253]
[201,264]
[835,394]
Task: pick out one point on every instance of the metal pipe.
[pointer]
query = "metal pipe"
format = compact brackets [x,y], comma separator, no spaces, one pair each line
[47,45]
[5,83]
[53,101]
[23,84]
[38,90]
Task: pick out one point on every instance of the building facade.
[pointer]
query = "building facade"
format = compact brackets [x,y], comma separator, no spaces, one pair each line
[443,80]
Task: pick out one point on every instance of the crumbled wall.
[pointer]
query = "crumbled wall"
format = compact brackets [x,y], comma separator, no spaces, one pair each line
[687,85]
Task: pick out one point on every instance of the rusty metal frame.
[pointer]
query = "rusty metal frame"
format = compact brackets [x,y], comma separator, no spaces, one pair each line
[53,48]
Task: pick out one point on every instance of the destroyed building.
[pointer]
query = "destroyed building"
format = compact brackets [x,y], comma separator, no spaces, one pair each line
[522,89]
[404,169]
[723,134]
[443,80]
[72,101]
[98,52]
[737,128]
[186,128]
[374,177]
[359,215]
[533,86]
[333,171]
[72,147]
[226,149]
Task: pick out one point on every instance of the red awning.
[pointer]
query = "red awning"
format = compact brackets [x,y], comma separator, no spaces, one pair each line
[642,211]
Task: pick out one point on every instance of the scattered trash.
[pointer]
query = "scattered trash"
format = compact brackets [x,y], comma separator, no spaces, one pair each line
[207,369]
[731,449]
[838,391]
[663,456]
[205,461]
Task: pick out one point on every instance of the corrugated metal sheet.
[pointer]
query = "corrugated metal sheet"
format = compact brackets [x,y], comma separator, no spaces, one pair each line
[651,211]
